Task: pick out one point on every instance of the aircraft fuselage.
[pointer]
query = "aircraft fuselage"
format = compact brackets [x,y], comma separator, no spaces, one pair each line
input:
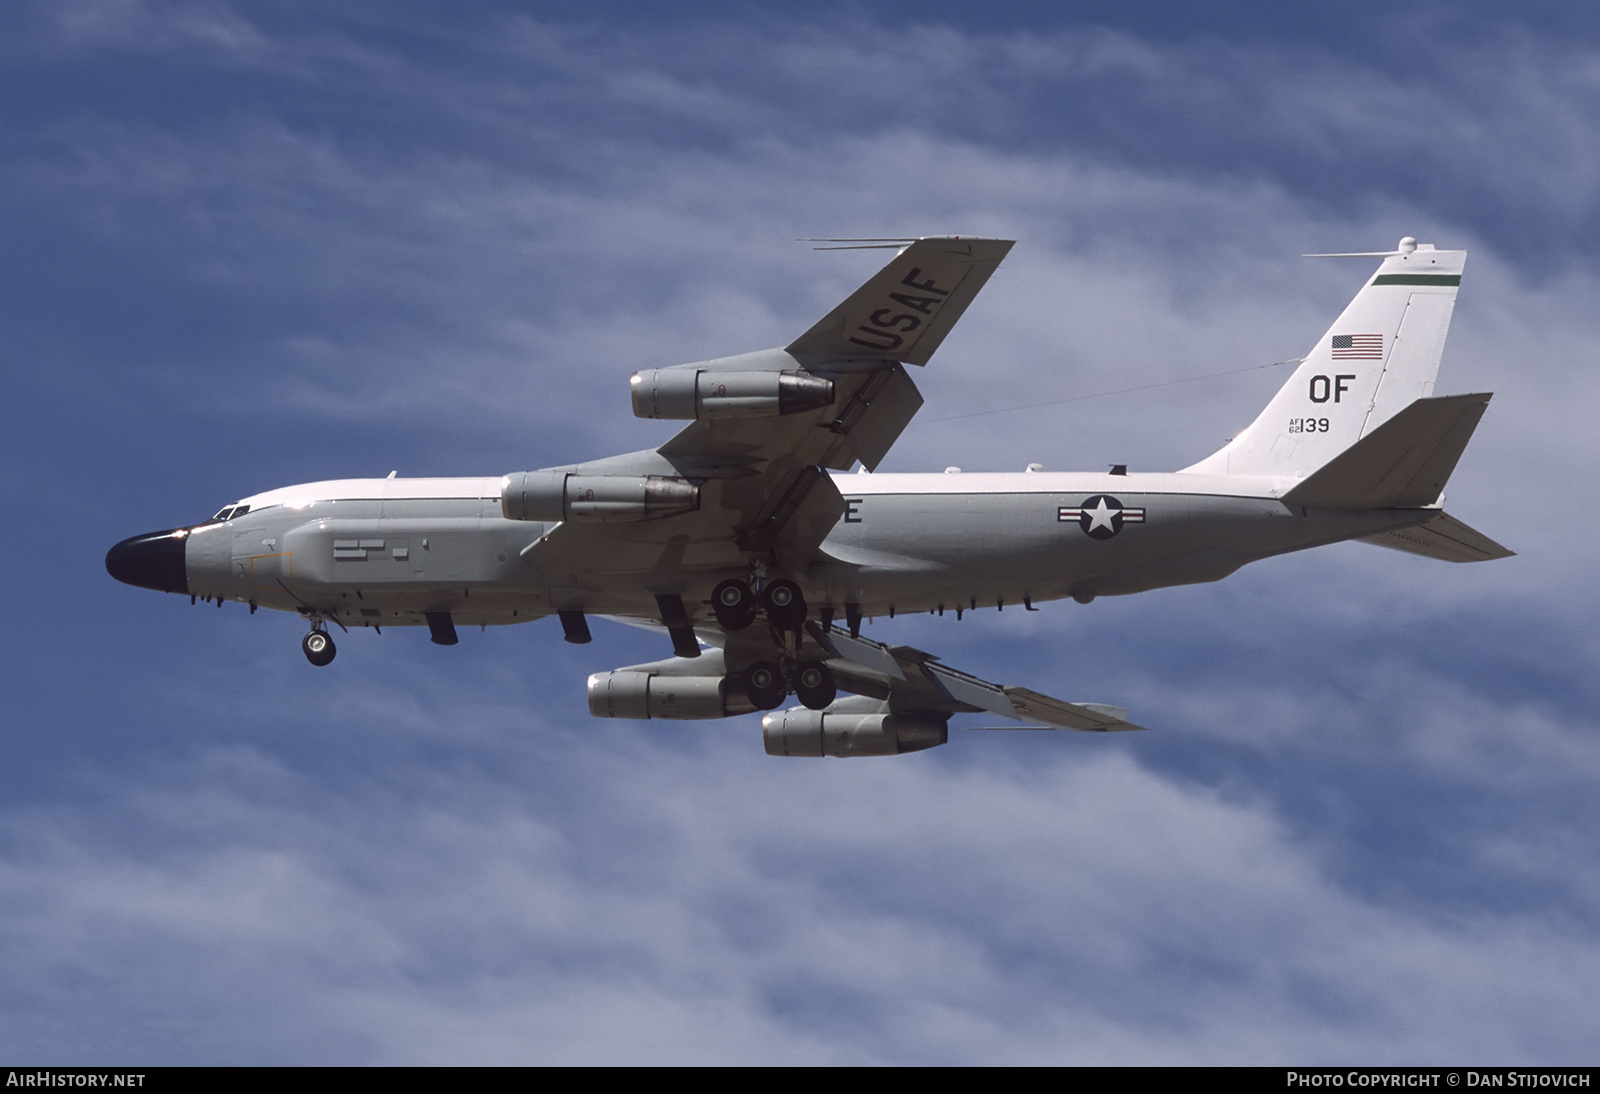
[384,552]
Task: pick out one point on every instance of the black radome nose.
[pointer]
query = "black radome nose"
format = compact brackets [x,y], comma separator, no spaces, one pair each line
[154,560]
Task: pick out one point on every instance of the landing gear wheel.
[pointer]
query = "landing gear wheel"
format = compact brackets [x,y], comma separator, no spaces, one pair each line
[734,605]
[319,648]
[763,683]
[786,606]
[813,684]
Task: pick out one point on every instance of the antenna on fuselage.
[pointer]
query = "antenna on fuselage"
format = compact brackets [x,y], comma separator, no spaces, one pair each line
[876,243]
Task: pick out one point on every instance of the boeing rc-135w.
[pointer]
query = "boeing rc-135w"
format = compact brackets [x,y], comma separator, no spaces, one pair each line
[744,540]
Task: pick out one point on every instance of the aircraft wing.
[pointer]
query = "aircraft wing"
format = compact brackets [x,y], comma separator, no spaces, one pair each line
[915,681]
[762,480]
[907,308]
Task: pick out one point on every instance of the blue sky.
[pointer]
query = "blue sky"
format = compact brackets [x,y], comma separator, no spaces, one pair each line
[249,245]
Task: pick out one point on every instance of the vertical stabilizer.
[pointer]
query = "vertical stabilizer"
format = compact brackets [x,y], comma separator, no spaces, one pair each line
[1379,357]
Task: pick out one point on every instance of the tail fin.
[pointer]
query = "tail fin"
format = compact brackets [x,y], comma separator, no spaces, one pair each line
[1379,357]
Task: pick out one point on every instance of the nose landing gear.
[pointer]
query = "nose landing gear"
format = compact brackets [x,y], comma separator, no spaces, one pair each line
[318,647]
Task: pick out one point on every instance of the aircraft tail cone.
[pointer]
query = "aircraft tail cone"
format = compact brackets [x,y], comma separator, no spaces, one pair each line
[154,560]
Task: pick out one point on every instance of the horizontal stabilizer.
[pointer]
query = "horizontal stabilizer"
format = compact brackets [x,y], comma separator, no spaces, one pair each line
[1444,537]
[1402,464]
[904,311]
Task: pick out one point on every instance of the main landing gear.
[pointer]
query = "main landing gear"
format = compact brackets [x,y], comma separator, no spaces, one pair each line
[811,681]
[813,684]
[318,647]
[764,684]
[736,606]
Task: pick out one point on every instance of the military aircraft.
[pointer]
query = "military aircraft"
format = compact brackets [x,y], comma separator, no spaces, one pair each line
[744,539]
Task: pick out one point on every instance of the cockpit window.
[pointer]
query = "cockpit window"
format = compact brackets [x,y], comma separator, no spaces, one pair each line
[228,512]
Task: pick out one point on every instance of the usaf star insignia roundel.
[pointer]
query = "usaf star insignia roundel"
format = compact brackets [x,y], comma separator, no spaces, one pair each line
[1101,516]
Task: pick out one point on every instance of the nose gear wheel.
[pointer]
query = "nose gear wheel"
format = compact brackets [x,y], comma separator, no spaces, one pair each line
[319,648]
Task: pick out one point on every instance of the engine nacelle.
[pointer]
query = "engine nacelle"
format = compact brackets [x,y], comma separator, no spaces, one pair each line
[631,693]
[714,393]
[562,495]
[829,733]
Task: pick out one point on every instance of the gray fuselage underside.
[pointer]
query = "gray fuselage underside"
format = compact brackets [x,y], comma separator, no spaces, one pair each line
[900,547]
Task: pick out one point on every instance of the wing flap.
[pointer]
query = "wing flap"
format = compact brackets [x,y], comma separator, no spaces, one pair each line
[859,651]
[796,519]
[873,419]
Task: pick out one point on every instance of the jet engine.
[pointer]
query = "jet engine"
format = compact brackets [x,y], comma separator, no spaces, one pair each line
[562,495]
[849,732]
[709,393]
[640,693]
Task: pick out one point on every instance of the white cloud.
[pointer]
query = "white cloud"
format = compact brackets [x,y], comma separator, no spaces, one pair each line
[696,907]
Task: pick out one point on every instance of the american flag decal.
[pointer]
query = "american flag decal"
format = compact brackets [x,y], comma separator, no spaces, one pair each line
[1358,347]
